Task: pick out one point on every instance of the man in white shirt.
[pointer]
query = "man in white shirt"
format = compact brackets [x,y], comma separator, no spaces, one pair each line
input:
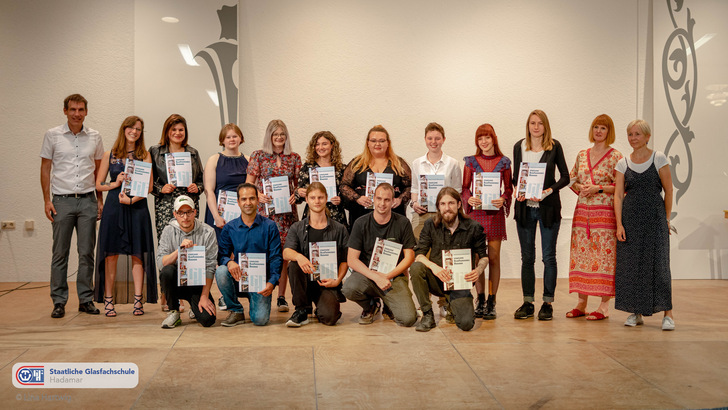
[435,162]
[73,153]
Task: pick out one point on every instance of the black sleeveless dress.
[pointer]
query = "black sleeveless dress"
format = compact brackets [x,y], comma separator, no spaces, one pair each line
[642,278]
[125,230]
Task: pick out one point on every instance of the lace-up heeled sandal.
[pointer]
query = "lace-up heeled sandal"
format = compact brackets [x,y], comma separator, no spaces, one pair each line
[109,306]
[138,310]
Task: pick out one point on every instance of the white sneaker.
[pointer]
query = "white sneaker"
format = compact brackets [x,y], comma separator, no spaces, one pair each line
[192,314]
[172,320]
[221,304]
[668,323]
[634,319]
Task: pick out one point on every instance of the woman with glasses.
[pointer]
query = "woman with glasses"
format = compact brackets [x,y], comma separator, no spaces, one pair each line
[126,226]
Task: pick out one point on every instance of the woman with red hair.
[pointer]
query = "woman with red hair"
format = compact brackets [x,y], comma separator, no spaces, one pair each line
[488,158]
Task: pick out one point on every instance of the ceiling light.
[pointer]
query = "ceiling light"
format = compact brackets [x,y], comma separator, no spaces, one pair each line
[170,19]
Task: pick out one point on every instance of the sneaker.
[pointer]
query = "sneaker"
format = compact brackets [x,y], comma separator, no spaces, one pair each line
[298,319]
[525,311]
[192,315]
[489,308]
[546,312]
[172,320]
[427,322]
[367,317]
[234,319]
[449,318]
[387,313]
[633,320]
[221,304]
[480,309]
[282,304]
[668,323]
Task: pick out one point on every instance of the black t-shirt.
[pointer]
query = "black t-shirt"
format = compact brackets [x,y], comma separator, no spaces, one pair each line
[315,235]
[366,230]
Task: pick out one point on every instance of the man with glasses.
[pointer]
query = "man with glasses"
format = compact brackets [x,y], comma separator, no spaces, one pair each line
[70,158]
[186,231]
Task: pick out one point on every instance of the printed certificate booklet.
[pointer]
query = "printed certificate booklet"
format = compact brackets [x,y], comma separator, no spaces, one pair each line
[252,267]
[227,205]
[279,190]
[460,263]
[191,266]
[373,181]
[136,182]
[486,186]
[385,256]
[323,258]
[430,186]
[326,176]
[530,179]
[179,168]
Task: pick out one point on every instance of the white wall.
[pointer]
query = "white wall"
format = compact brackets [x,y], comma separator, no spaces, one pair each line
[50,49]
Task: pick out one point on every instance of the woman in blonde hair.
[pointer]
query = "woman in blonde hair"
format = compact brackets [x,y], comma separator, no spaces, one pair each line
[544,211]
[323,151]
[126,226]
[377,157]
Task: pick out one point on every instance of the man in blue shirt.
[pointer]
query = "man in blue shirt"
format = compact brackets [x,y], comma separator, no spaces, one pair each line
[251,233]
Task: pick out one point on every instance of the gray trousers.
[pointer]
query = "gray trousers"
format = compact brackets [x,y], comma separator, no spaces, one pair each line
[79,214]
[425,282]
[363,291]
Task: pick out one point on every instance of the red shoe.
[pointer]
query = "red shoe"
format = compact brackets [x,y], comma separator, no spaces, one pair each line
[596,315]
[575,313]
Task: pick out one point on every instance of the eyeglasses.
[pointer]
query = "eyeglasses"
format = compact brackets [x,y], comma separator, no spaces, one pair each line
[185,213]
[375,142]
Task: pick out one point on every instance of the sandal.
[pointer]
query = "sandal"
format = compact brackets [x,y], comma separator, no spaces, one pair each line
[575,313]
[165,308]
[110,311]
[138,311]
[596,315]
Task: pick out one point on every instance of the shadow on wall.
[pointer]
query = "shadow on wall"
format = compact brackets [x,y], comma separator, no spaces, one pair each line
[711,235]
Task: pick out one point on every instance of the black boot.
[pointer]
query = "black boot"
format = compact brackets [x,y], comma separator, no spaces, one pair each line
[490,308]
[480,307]
[427,322]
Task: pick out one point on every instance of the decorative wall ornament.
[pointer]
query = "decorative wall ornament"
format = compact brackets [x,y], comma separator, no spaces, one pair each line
[222,58]
[680,80]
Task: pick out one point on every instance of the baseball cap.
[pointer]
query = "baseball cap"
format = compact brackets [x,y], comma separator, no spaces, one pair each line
[183,200]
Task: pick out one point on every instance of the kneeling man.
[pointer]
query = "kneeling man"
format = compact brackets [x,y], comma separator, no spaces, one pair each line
[251,233]
[186,231]
[305,250]
[450,229]
[365,286]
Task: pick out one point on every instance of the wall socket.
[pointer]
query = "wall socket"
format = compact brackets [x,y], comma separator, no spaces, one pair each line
[29,224]
[8,224]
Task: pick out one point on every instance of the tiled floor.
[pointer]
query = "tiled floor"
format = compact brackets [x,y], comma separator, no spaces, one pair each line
[506,363]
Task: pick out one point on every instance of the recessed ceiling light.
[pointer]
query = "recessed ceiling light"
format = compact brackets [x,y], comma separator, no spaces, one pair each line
[170,19]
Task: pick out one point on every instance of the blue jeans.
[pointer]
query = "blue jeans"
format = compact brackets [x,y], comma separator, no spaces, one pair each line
[527,238]
[259,304]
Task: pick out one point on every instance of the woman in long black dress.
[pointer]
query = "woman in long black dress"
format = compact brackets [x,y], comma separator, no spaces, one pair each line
[126,226]
[642,278]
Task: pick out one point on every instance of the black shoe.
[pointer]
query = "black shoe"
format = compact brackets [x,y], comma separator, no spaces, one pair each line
[489,308]
[480,309]
[427,322]
[298,319]
[89,308]
[546,312]
[59,310]
[282,304]
[525,311]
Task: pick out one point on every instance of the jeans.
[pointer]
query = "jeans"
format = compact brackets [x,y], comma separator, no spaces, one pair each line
[328,307]
[363,291]
[425,282]
[259,304]
[192,294]
[79,214]
[527,238]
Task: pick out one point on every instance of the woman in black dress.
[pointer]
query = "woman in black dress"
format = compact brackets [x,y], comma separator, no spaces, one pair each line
[126,226]
[642,278]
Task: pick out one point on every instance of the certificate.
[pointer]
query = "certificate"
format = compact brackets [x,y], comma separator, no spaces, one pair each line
[179,168]
[191,266]
[136,182]
[373,181]
[530,179]
[486,187]
[385,256]
[323,258]
[430,186]
[227,205]
[252,268]
[280,191]
[459,262]
[326,176]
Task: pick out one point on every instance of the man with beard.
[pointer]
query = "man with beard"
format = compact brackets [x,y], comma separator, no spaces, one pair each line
[450,229]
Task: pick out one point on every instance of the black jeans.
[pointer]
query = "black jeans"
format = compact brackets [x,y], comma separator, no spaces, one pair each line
[328,307]
[174,292]
[425,282]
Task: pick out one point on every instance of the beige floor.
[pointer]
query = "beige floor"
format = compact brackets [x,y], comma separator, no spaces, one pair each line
[506,363]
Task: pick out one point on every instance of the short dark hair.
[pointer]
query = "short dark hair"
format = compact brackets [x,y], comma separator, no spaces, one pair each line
[75,98]
[433,126]
[387,186]
[246,185]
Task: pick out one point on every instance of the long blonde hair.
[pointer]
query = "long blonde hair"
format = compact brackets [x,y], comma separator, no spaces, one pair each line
[363,160]
[548,141]
[119,148]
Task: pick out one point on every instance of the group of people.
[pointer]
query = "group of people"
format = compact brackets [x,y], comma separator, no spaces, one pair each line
[619,241]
